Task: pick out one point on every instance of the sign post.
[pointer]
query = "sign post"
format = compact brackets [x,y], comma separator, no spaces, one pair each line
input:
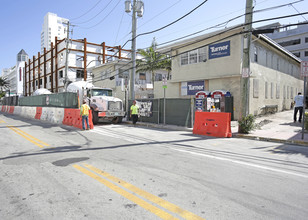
[304,72]
[164,86]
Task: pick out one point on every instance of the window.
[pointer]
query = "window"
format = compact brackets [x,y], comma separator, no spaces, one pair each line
[79,74]
[277,91]
[158,77]
[306,53]
[193,56]
[202,54]
[61,74]
[272,90]
[41,82]
[49,78]
[298,54]
[306,39]
[290,42]
[277,64]
[266,59]
[266,90]
[142,76]
[255,56]
[184,59]
[256,88]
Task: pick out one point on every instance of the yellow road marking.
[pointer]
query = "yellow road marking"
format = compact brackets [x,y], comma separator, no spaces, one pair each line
[23,134]
[162,214]
[37,140]
[2,121]
[155,199]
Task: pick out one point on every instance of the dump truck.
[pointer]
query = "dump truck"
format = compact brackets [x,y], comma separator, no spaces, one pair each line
[104,106]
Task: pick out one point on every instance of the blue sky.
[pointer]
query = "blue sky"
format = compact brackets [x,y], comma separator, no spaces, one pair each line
[21,21]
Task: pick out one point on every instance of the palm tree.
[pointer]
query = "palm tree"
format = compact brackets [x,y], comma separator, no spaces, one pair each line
[4,84]
[152,61]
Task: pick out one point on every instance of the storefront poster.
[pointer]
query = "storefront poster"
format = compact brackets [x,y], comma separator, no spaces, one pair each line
[219,50]
[194,87]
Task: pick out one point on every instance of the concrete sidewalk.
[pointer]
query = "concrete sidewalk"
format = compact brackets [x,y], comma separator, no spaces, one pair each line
[278,127]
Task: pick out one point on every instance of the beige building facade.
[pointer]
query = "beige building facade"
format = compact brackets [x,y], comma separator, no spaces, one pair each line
[214,62]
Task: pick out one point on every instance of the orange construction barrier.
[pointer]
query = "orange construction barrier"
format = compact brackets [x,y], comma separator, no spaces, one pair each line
[11,109]
[79,120]
[216,124]
[3,108]
[68,118]
[38,113]
[72,118]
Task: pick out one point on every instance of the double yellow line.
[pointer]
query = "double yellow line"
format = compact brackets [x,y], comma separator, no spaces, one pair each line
[123,188]
[28,137]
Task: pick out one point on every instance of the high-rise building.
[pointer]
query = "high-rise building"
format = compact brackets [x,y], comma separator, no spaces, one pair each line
[53,26]
[293,39]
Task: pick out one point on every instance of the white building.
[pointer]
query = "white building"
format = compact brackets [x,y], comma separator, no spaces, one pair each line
[53,26]
[47,70]
[14,75]
[293,39]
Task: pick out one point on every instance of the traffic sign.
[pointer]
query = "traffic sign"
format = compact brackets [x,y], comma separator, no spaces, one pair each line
[304,68]
[164,82]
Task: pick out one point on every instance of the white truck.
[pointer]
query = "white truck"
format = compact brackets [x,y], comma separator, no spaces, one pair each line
[104,106]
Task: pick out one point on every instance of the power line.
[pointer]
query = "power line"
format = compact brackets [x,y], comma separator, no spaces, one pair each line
[103,18]
[298,12]
[151,32]
[160,13]
[86,11]
[96,14]
[203,39]
[226,22]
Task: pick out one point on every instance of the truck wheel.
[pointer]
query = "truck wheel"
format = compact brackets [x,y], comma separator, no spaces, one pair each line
[95,117]
[117,120]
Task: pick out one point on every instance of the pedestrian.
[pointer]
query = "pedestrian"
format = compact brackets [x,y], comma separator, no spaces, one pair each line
[134,111]
[298,106]
[84,112]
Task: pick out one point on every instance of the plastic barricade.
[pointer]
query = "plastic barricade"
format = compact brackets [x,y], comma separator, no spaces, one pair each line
[216,124]
[72,118]
[38,113]
[11,109]
[3,108]
[68,119]
[78,120]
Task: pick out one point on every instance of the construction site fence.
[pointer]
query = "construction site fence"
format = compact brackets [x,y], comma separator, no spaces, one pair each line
[63,100]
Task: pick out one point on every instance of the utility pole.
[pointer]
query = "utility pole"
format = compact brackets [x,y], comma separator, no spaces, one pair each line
[66,55]
[132,77]
[244,92]
[137,8]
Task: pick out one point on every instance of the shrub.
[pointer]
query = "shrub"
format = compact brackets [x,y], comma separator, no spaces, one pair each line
[246,124]
[306,121]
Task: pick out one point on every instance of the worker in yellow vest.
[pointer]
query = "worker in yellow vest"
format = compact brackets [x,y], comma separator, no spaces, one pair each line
[84,112]
[134,111]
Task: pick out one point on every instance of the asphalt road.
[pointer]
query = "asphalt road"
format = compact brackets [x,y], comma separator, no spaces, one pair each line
[126,172]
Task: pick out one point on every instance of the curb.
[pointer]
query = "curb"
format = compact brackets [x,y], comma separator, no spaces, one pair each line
[160,126]
[275,140]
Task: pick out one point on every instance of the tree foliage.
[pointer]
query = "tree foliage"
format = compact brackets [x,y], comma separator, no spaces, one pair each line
[4,84]
[153,61]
